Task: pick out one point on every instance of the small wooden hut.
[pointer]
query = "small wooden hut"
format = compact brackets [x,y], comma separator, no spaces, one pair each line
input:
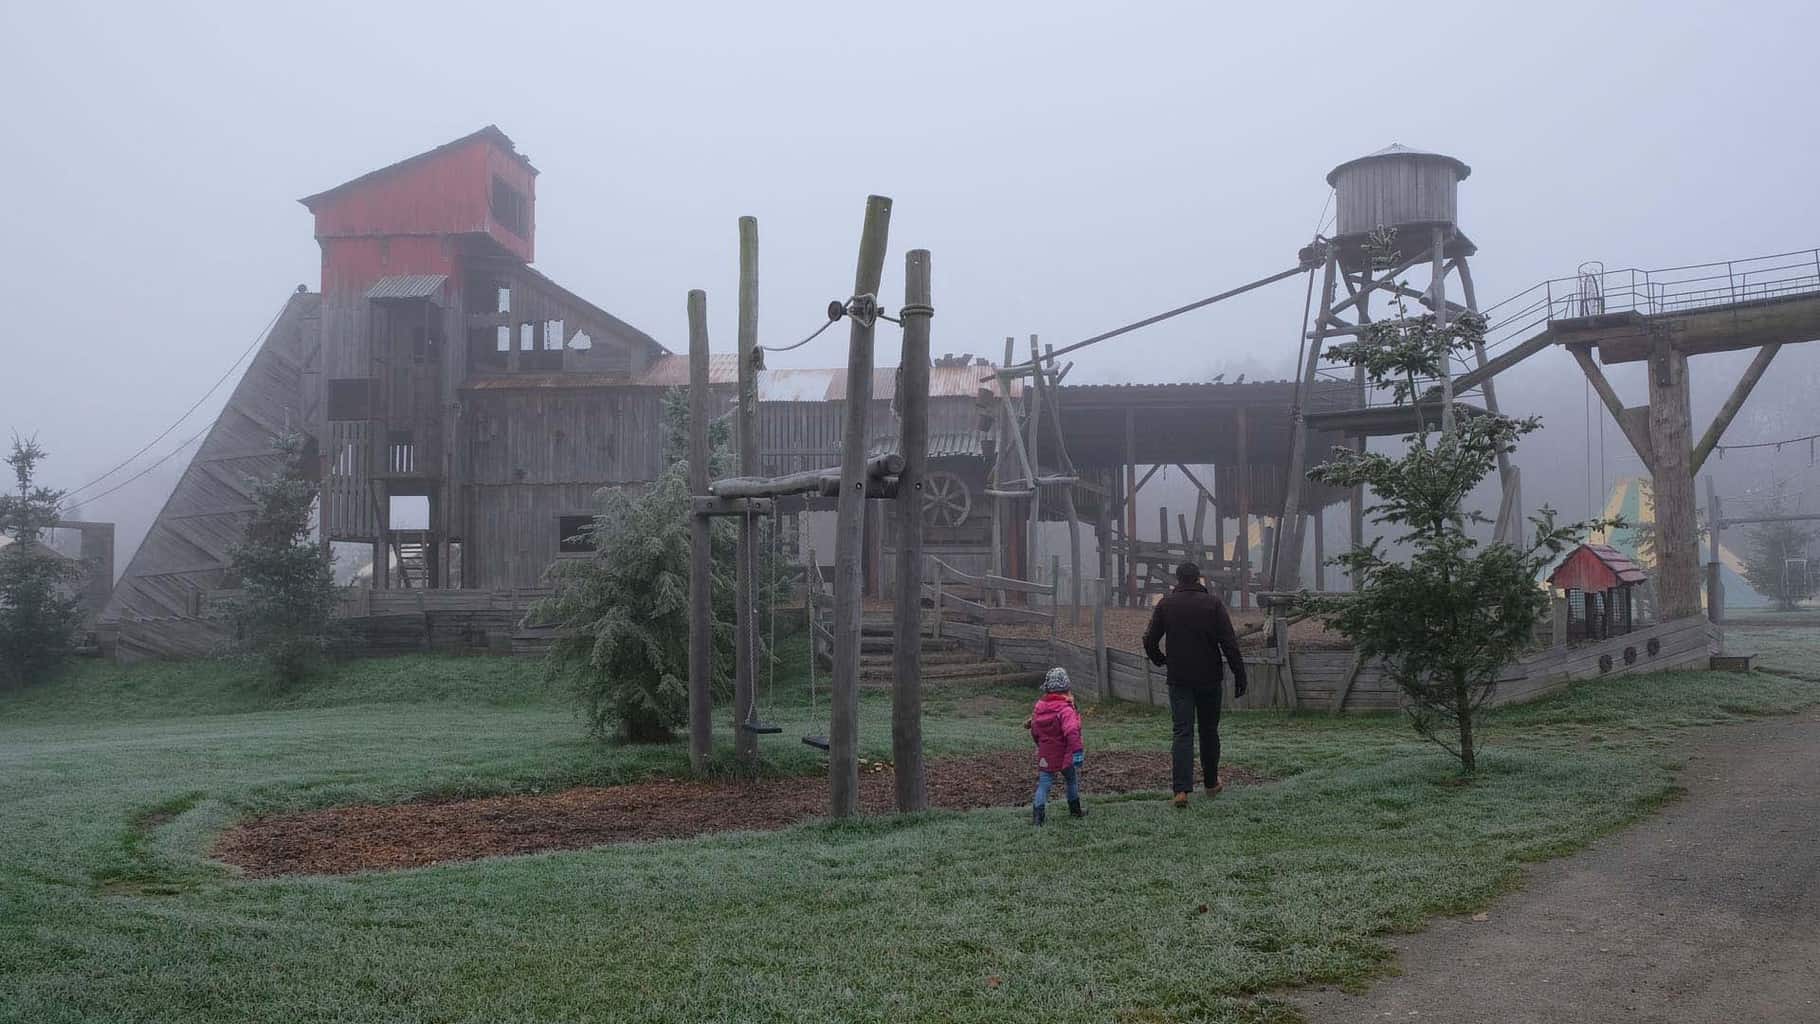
[1600,582]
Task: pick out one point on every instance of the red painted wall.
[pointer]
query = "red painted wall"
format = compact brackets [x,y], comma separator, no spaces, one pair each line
[1584,571]
[398,223]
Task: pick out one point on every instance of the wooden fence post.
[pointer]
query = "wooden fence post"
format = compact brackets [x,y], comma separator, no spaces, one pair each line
[1099,639]
[850,516]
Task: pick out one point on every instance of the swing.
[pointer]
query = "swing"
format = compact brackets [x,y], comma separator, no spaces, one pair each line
[818,741]
[753,723]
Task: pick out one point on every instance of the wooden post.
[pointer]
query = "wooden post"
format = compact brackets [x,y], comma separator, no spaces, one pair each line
[1670,424]
[1509,526]
[1733,402]
[1320,548]
[1001,507]
[701,600]
[936,629]
[1033,403]
[913,444]
[1130,508]
[1099,638]
[1052,402]
[1102,526]
[1286,565]
[1715,583]
[1241,554]
[849,530]
[745,558]
[1439,286]
[1162,526]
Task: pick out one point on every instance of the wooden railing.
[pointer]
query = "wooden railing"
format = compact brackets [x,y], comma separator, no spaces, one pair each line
[937,574]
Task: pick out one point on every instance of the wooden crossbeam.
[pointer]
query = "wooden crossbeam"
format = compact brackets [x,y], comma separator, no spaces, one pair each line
[1633,430]
[1735,401]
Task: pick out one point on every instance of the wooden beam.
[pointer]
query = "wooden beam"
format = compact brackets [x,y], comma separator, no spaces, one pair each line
[701,600]
[1503,361]
[1286,566]
[850,526]
[1146,478]
[913,445]
[1735,401]
[1639,438]
[1048,392]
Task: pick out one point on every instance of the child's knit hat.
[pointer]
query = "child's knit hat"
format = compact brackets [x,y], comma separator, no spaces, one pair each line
[1056,681]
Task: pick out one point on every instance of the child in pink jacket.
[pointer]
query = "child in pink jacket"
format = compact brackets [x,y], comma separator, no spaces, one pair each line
[1056,727]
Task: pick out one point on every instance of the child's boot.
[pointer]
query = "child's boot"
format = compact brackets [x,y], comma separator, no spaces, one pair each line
[1037,814]
[1075,808]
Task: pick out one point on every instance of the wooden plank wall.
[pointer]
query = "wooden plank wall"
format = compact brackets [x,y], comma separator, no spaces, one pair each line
[186,549]
[535,455]
[1318,674]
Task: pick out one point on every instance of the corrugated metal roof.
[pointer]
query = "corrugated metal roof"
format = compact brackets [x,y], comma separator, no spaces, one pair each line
[672,371]
[817,384]
[408,286]
[1619,563]
[1398,149]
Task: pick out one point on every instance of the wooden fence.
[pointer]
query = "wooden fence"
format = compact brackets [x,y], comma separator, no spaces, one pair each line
[993,608]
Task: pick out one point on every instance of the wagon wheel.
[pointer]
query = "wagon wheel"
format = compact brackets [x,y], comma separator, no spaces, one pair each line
[945,500]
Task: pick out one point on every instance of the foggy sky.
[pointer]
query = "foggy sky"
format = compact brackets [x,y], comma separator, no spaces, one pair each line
[1071,167]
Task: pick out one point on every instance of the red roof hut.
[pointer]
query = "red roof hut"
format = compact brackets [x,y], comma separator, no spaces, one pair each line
[1599,580]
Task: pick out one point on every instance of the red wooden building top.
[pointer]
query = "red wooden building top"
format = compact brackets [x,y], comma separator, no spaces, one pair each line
[1594,568]
[478,184]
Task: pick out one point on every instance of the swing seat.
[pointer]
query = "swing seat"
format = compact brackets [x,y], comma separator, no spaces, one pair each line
[762,728]
[818,742]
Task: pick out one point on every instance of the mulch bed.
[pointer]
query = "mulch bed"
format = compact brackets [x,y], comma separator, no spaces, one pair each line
[344,840]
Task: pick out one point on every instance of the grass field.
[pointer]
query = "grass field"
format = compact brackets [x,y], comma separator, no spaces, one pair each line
[116,781]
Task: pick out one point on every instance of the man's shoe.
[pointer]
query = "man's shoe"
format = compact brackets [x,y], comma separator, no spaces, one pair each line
[1181,800]
[1075,809]
[1037,815]
[1216,789]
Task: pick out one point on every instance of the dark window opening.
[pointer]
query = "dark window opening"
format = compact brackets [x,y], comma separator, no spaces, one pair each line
[573,534]
[351,398]
[511,209]
[483,350]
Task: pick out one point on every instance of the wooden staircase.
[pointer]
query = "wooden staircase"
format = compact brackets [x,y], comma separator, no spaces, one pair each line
[411,558]
[944,662]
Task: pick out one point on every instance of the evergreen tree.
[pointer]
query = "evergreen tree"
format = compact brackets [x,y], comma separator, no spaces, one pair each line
[1450,615]
[39,612]
[1769,550]
[283,617]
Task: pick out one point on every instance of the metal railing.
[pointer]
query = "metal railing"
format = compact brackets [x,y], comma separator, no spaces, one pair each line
[1595,291]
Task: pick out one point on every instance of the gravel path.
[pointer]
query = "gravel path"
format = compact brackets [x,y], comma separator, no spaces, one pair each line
[1708,912]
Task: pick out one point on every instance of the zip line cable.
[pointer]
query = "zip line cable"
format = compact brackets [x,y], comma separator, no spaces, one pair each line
[260,337]
[166,457]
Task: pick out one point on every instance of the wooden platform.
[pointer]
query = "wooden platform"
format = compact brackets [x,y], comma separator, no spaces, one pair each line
[1384,420]
[1628,337]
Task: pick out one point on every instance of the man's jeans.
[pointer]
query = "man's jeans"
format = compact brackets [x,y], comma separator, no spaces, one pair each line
[1071,775]
[1188,705]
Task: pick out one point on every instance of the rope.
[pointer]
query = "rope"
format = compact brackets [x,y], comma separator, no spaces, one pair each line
[812,336]
[1810,438]
[186,413]
[168,456]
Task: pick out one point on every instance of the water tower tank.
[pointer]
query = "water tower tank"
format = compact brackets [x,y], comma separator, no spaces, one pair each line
[1396,187]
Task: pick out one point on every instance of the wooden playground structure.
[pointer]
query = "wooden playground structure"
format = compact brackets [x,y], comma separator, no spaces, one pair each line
[1069,465]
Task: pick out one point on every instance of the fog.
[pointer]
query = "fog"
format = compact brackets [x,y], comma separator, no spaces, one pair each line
[1070,166]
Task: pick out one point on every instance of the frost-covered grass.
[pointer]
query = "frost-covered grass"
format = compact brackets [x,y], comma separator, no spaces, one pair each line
[116,781]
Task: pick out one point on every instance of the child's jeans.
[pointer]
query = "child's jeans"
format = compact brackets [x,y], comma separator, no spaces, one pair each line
[1070,775]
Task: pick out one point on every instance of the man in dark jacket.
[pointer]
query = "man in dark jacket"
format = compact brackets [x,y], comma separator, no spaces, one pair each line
[1189,631]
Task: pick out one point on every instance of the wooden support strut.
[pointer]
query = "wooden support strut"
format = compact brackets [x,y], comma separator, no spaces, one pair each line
[1733,402]
[1050,402]
[1286,567]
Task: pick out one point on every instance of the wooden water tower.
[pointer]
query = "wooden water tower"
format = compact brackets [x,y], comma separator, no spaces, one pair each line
[1413,196]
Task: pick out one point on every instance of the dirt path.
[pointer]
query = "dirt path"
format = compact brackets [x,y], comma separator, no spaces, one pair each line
[1708,912]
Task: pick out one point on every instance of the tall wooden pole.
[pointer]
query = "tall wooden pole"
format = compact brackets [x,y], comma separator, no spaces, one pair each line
[913,398]
[1052,402]
[1670,430]
[1033,419]
[850,520]
[1286,565]
[701,600]
[745,559]
[1130,508]
[1242,543]
[1439,286]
